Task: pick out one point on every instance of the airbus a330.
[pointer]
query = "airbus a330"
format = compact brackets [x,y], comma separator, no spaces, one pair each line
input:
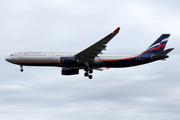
[92,57]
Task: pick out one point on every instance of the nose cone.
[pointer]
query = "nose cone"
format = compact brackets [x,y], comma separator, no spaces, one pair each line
[8,59]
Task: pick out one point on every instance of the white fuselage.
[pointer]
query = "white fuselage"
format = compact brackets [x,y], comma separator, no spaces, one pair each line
[52,58]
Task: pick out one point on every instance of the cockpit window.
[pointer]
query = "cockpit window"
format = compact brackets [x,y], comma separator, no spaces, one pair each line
[11,55]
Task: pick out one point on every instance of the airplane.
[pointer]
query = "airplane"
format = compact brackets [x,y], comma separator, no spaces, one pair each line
[92,57]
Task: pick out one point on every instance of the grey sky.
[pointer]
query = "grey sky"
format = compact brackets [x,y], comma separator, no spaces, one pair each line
[146,92]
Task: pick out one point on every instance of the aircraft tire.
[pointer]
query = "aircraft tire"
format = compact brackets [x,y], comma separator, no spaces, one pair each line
[86,74]
[21,70]
[90,76]
[90,71]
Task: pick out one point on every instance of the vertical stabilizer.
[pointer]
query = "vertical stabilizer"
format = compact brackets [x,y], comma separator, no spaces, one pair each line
[159,45]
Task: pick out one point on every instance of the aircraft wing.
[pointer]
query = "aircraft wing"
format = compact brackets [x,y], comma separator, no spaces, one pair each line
[91,52]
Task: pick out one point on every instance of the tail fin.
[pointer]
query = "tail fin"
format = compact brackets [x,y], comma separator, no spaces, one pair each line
[159,45]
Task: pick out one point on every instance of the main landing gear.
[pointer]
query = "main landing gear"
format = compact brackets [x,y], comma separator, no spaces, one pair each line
[88,72]
[21,68]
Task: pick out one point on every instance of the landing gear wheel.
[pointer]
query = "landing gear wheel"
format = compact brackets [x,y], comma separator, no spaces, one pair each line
[86,74]
[90,76]
[90,71]
[21,70]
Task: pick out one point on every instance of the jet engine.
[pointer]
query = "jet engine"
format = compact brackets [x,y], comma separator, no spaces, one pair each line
[69,71]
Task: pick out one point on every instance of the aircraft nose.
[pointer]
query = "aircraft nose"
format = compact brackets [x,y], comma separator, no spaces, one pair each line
[8,59]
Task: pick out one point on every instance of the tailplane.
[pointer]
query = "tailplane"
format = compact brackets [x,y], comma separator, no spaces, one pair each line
[162,54]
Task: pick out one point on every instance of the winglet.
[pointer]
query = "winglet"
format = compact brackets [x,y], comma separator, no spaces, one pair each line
[117,30]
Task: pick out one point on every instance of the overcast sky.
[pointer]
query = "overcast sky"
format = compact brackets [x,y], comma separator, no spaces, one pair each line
[147,92]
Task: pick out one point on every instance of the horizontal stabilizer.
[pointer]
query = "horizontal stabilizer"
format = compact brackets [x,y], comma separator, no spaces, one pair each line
[162,54]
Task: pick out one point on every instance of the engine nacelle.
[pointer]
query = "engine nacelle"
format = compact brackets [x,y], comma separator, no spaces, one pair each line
[68,60]
[69,71]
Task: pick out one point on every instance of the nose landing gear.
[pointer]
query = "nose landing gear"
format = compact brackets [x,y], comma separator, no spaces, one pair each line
[21,68]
